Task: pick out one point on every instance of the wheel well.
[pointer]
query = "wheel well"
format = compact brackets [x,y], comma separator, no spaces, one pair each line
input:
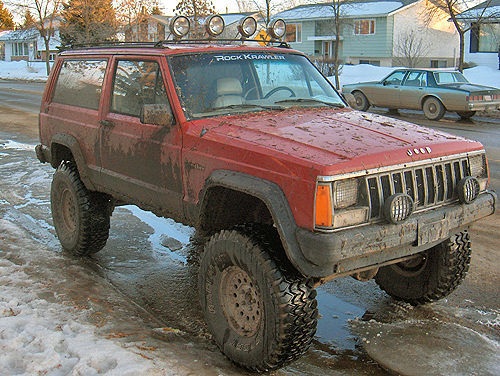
[60,153]
[224,208]
[431,96]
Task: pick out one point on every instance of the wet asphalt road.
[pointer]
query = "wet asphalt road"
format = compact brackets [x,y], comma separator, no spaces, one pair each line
[153,262]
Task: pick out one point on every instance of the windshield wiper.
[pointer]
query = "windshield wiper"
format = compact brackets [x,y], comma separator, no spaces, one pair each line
[243,106]
[310,100]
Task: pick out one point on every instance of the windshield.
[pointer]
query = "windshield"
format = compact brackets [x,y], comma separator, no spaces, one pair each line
[449,77]
[212,84]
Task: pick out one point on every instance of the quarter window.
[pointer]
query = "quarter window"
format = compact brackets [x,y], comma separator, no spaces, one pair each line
[135,84]
[80,82]
[293,33]
[364,27]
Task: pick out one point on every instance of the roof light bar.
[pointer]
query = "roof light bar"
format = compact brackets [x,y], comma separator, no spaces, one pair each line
[214,25]
[179,26]
[247,26]
[277,29]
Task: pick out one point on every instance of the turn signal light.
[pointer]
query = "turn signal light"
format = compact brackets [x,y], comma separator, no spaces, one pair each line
[324,208]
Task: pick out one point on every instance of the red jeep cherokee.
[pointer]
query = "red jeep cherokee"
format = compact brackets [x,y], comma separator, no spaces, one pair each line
[253,147]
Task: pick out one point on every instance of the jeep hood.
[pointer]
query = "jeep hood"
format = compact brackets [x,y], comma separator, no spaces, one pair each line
[334,139]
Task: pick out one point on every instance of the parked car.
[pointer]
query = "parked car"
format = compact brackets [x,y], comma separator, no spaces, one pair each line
[433,91]
[253,147]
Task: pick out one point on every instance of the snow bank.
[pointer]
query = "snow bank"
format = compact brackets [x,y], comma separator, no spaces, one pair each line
[38,337]
[21,70]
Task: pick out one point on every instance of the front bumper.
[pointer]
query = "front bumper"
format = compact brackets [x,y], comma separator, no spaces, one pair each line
[347,251]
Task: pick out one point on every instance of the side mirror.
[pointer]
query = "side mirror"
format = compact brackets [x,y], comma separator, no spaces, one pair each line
[157,114]
[385,83]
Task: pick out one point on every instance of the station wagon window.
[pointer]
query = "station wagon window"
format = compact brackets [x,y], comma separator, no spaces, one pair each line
[395,78]
[364,27]
[416,79]
[449,77]
[79,83]
[136,83]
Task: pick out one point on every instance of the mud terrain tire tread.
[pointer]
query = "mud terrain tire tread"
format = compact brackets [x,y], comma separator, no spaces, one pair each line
[446,267]
[289,299]
[91,213]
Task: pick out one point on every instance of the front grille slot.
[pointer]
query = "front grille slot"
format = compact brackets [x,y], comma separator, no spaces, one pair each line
[427,185]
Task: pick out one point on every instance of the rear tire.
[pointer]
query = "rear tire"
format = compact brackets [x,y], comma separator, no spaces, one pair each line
[260,311]
[81,217]
[433,109]
[435,274]
[360,101]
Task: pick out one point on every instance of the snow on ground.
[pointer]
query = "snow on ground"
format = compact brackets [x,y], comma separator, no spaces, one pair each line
[38,337]
[350,73]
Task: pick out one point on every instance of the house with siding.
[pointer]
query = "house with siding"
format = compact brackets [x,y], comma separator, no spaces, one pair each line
[28,45]
[482,40]
[374,32]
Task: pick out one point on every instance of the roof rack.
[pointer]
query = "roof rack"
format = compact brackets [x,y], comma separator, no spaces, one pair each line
[167,43]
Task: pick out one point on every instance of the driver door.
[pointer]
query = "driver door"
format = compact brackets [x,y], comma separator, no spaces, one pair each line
[141,162]
[386,92]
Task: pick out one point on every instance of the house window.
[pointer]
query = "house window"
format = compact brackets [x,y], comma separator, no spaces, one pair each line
[371,62]
[439,64]
[484,38]
[364,27]
[19,49]
[293,33]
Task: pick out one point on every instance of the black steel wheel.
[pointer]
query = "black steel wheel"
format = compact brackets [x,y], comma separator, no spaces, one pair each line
[360,101]
[431,275]
[433,108]
[81,217]
[261,312]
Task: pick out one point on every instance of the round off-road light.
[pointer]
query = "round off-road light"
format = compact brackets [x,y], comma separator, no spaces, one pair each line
[247,26]
[277,28]
[468,189]
[214,25]
[398,208]
[179,26]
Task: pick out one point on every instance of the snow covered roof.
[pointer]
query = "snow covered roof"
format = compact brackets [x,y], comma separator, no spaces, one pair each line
[20,35]
[348,9]
[489,9]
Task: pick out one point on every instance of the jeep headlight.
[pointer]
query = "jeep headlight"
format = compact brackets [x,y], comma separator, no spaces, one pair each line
[479,169]
[338,204]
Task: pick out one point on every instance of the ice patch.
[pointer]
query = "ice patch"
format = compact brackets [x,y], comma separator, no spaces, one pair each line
[13,145]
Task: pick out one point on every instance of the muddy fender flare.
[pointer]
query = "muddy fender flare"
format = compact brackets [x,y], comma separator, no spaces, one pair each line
[72,144]
[277,204]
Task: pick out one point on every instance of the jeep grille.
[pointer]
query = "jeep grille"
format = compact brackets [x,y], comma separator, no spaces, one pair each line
[429,185]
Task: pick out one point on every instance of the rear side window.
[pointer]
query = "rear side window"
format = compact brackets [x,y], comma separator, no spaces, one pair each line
[79,83]
[137,83]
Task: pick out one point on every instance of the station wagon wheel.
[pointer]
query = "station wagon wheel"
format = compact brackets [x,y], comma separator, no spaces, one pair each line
[81,217]
[261,312]
[466,114]
[360,101]
[430,275]
[433,109]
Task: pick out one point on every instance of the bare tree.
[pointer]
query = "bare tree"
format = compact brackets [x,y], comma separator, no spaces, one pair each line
[44,14]
[133,14]
[451,9]
[410,49]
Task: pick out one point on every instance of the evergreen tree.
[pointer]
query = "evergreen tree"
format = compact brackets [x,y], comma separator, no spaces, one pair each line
[88,21]
[29,21]
[6,21]
[197,10]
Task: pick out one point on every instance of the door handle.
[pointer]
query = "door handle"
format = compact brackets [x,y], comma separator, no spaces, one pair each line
[107,123]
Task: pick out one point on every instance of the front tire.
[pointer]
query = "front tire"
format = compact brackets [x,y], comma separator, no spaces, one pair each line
[81,217]
[360,101]
[433,109]
[432,275]
[260,311]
